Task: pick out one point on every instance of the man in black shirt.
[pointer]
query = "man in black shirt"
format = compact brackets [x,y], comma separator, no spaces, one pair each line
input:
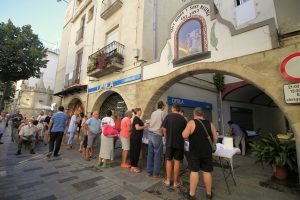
[173,126]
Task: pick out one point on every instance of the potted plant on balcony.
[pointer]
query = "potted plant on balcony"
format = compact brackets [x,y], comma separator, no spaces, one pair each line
[281,155]
[117,58]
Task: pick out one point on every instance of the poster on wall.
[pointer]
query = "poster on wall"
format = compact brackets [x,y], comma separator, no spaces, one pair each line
[292,93]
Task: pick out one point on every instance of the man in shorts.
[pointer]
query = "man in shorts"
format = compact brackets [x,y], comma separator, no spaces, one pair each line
[93,127]
[200,152]
[173,126]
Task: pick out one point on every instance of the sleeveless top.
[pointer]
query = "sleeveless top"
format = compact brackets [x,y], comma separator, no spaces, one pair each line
[199,145]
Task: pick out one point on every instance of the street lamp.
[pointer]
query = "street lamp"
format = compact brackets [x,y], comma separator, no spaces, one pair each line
[63,0]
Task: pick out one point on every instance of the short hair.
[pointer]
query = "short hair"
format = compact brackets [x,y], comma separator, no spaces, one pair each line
[135,110]
[160,105]
[182,111]
[108,113]
[199,112]
[61,108]
[82,114]
[177,107]
[35,122]
[230,122]
[128,113]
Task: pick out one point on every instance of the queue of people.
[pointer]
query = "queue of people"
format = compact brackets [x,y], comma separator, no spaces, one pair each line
[170,130]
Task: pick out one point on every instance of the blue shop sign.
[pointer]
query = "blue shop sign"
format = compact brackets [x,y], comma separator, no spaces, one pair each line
[115,83]
[189,103]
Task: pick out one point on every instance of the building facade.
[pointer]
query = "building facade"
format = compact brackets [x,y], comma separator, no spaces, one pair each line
[124,54]
[36,94]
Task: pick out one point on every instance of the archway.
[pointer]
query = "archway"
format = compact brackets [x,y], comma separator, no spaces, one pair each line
[111,100]
[75,105]
[260,70]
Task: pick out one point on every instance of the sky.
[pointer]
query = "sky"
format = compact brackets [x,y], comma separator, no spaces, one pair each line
[46,18]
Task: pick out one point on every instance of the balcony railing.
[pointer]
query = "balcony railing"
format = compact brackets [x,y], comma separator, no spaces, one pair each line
[79,34]
[109,7]
[72,78]
[107,60]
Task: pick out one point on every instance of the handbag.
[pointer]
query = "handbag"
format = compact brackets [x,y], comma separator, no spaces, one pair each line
[212,144]
[109,131]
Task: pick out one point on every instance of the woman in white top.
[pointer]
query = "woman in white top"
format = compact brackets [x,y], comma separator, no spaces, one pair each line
[107,142]
[72,128]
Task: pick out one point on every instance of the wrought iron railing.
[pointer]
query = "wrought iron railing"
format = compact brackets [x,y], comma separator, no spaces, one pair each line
[79,34]
[101,59]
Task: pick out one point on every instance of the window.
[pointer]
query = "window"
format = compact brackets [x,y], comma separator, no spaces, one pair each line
[112,36]
[78,66]
[240,2]
[80,31]
[90,14]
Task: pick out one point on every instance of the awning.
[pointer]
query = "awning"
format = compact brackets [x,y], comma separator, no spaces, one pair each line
[71,90]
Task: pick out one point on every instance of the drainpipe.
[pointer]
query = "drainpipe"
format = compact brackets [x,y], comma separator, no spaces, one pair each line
[155,29]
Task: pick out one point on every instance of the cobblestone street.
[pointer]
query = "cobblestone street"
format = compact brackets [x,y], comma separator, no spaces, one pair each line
[69,177]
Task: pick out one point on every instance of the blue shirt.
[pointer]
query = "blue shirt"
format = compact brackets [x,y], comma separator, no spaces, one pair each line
[236,129]
[94,125]
[58,122]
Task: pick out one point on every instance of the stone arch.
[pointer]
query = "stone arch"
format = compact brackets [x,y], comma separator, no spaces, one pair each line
[75,103]
[102,97]
[271,85]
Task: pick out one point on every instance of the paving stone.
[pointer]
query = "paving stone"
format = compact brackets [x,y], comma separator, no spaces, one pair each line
[86,184]
[118,197]
[49,174]
[12,197]
[62,166]
[67,179]
[29,185]
[52,197]
[33,169]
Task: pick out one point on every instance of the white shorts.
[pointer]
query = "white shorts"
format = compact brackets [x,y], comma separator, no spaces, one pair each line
[125,143]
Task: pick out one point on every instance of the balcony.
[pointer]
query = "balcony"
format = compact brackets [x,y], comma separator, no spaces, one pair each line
[107,60]
[72,78]
[79,35]
[109,7]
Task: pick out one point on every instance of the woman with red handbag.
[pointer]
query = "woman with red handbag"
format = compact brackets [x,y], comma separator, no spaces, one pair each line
[107,140]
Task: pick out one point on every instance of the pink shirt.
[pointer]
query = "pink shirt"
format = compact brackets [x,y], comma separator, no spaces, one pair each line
[125,127]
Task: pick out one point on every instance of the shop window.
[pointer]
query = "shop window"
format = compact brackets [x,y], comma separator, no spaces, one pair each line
[90,14]
[191,38]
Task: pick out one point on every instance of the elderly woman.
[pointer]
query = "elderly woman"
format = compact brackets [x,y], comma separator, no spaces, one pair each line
[125,137]
[136,139]
[107,142]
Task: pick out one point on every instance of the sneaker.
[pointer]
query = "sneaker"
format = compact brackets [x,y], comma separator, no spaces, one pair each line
[209,196]
[188,196]
[32,151]
[49,154]
[19,152]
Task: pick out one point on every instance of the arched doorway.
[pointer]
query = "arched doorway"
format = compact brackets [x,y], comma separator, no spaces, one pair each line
[75,105]
[115,103]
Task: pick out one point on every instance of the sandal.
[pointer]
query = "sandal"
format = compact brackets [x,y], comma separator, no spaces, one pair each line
[135,170]
[125,166]
[106,165]
[165,183]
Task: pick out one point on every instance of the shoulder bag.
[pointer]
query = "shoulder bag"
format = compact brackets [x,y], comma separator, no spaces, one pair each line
[212,144]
